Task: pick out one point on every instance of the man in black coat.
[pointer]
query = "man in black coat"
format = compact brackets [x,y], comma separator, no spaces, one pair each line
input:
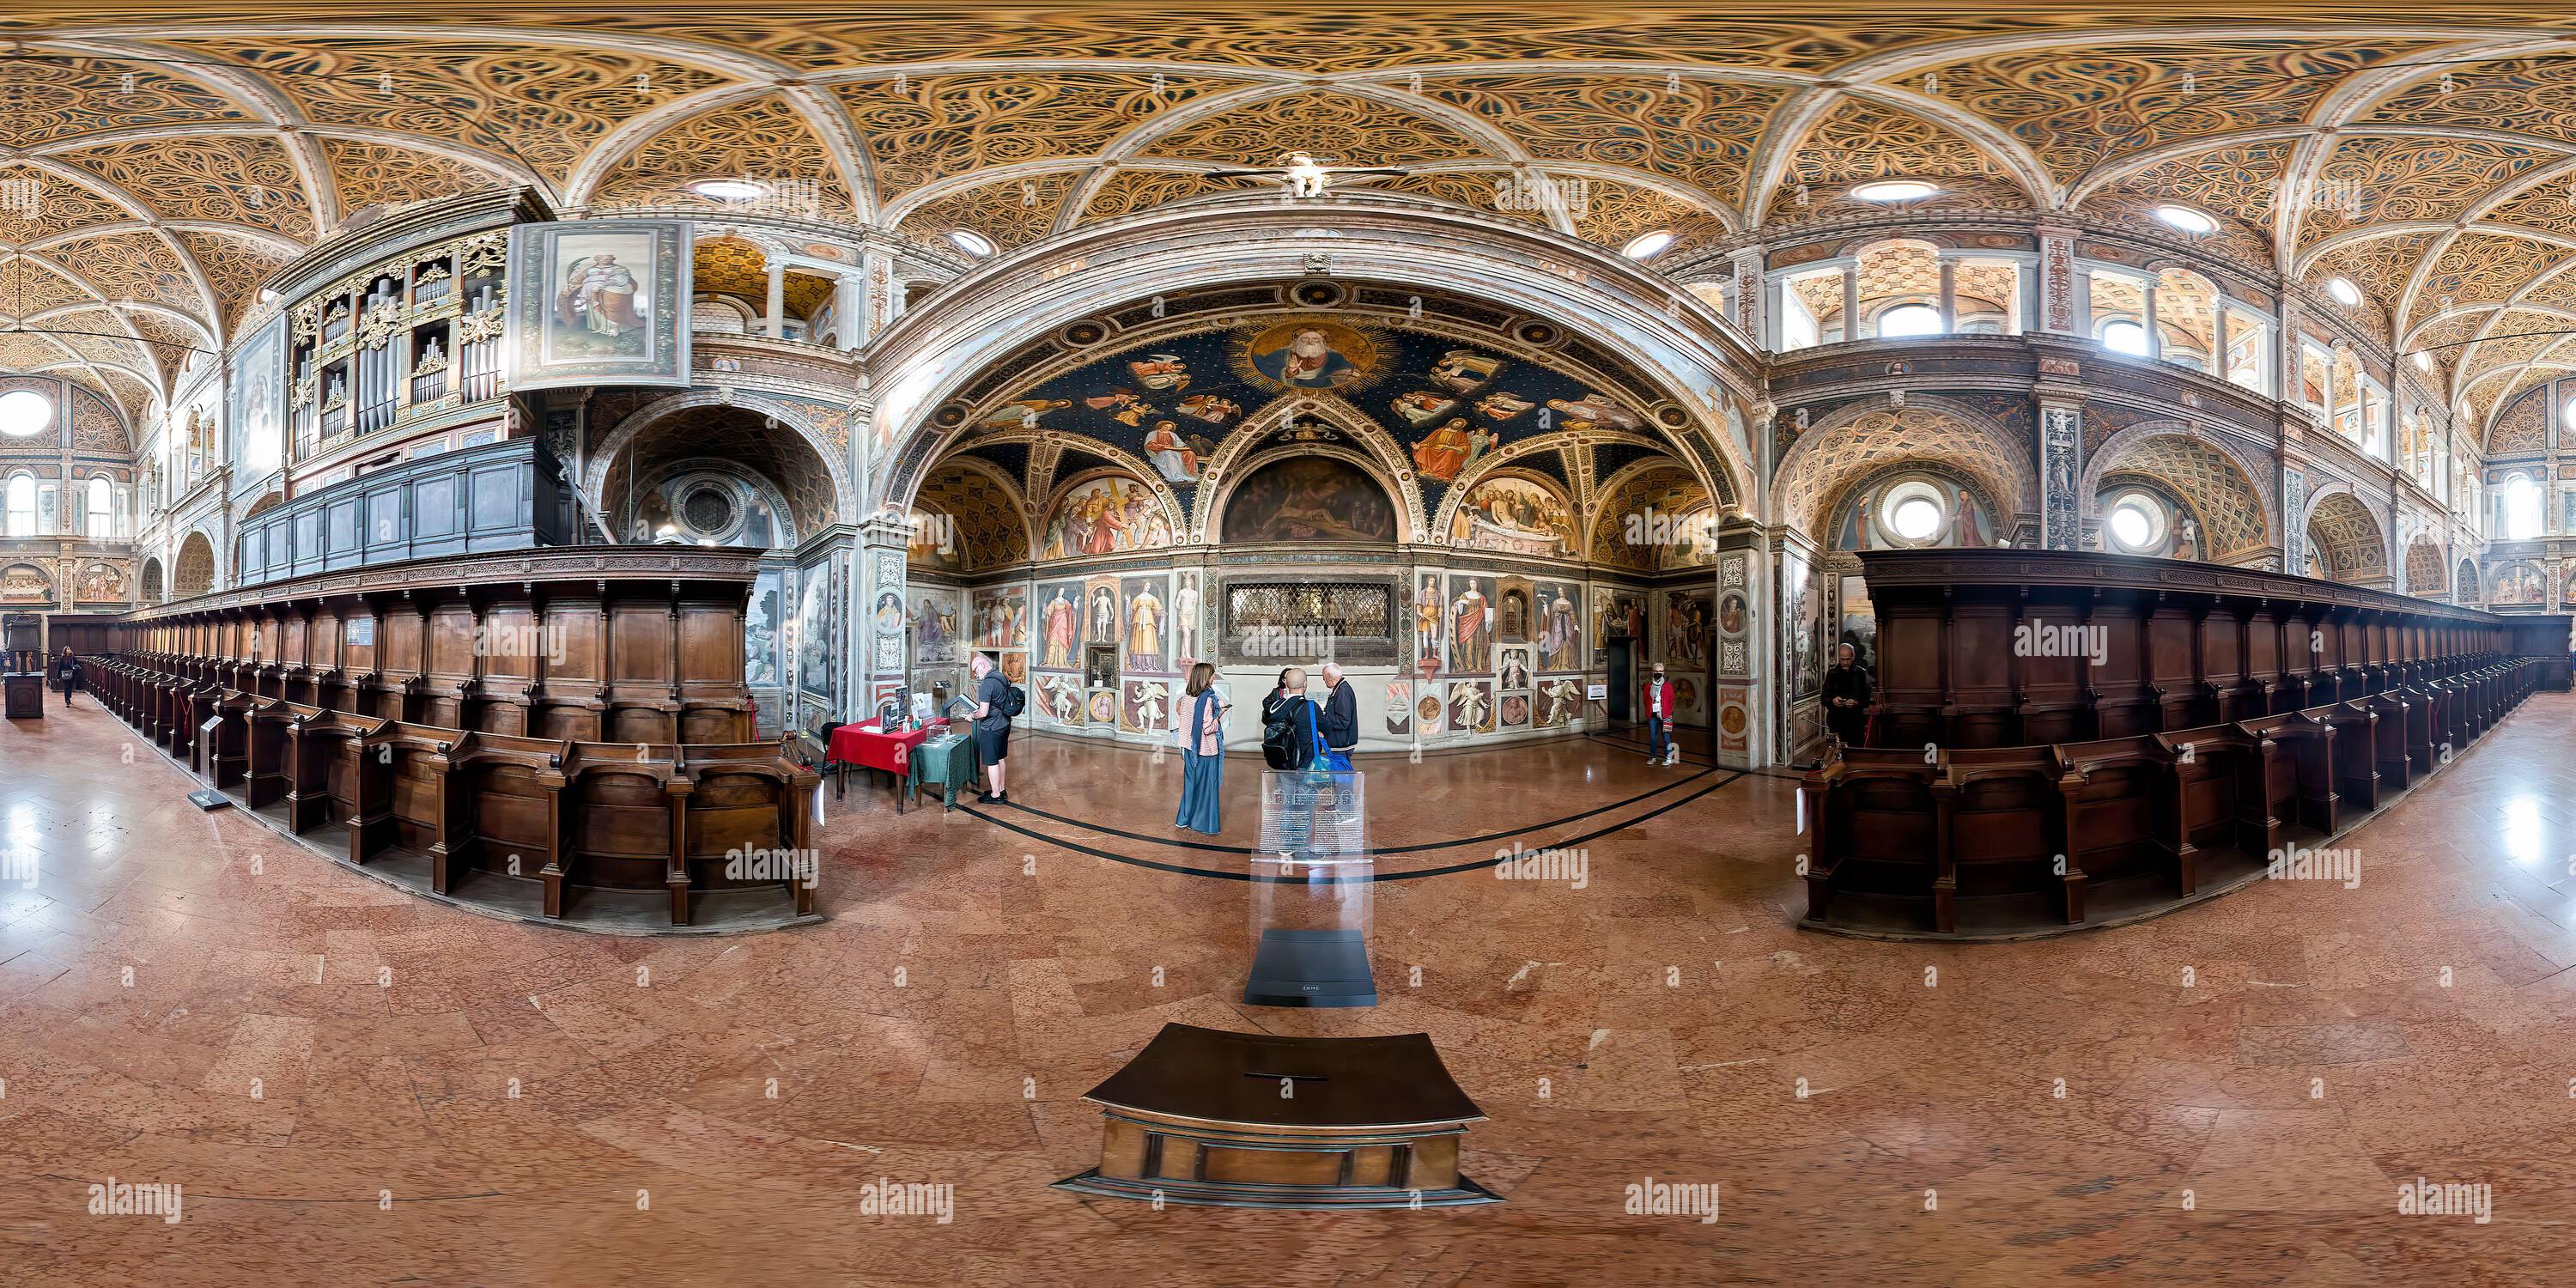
[1340,717]
[1847,697]
[1288,705]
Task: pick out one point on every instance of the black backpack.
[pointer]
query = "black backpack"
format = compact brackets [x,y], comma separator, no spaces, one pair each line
[1279,738]
[1014,700]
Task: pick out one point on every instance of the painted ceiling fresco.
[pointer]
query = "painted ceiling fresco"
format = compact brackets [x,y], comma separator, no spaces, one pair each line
[177,159]
[1174,402]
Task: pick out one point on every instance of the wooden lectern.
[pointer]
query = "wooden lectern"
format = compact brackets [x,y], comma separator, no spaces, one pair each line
[1212,1118]
[25,695]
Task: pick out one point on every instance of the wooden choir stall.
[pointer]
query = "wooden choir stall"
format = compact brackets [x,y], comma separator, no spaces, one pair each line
[2072,739]
[560,734]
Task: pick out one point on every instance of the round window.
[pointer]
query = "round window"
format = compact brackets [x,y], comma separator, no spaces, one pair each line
[1915,518]
[24,413]
[1913,513]
[708,510]
[2136,524]
[2131,525]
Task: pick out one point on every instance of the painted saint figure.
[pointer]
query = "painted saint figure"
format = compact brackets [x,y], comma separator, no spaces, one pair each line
[1185,619]
[598,296]
[1104,617]
[1426,622]
[1443,452]
[1145,633]
[1171,456]
[1060,630]
[1557,631]
[1469,645]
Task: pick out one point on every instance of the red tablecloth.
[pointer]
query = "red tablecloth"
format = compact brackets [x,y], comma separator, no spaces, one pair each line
[863,746]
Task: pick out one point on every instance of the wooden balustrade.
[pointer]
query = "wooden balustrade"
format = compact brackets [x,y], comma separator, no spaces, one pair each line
[2064,740]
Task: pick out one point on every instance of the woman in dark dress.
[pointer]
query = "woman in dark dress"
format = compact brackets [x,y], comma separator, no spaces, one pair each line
[1201,732]
[67,670]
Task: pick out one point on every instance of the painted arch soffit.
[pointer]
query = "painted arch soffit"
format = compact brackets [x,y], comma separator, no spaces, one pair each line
[1431,400]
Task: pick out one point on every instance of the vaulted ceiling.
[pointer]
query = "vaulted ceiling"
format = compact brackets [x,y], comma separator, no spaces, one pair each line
[178,160]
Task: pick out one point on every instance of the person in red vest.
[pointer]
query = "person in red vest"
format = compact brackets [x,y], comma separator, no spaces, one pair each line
[1659,721]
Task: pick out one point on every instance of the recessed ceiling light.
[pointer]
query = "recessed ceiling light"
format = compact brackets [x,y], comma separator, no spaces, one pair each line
[730,189]
[972,243]
[1648,246]
[1894,190]
[2345,293]
[2423,361]
[2187,219]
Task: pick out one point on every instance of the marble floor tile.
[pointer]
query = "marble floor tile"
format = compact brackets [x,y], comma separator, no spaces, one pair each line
[340,1075]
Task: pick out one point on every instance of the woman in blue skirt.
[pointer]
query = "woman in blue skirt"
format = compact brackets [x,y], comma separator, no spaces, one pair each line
[1200,729]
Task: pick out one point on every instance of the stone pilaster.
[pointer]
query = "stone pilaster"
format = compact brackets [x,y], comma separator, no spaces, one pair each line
[1748,295]
[2061,469]
[875,623]
[2057,305]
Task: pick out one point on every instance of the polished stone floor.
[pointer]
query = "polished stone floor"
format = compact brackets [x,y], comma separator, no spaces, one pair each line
[444,1098]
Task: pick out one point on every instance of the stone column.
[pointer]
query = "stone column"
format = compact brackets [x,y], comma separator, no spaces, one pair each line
[1949,296]
[1851,301]
[776,322]
[2155,324]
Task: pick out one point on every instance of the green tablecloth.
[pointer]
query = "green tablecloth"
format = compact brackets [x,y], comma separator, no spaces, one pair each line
[947,762]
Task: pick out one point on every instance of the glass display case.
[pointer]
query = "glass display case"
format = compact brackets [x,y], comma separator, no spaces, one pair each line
[1313,885]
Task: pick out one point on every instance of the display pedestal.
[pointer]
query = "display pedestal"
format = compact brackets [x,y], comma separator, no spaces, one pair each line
[1311,891]
[1311,968]
[1212,1118]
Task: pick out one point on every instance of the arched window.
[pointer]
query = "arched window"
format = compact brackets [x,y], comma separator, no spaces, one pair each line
[22,505]
[2122,335]
[2521,508]
[1909,320]
[101,519]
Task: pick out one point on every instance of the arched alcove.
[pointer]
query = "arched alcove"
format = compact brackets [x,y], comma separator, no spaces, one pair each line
[1831,455]
[651,447]
[195,574]
[1339,449]
[2344,541]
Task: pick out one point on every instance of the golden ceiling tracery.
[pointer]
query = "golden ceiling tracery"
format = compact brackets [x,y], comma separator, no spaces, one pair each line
[248,134]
